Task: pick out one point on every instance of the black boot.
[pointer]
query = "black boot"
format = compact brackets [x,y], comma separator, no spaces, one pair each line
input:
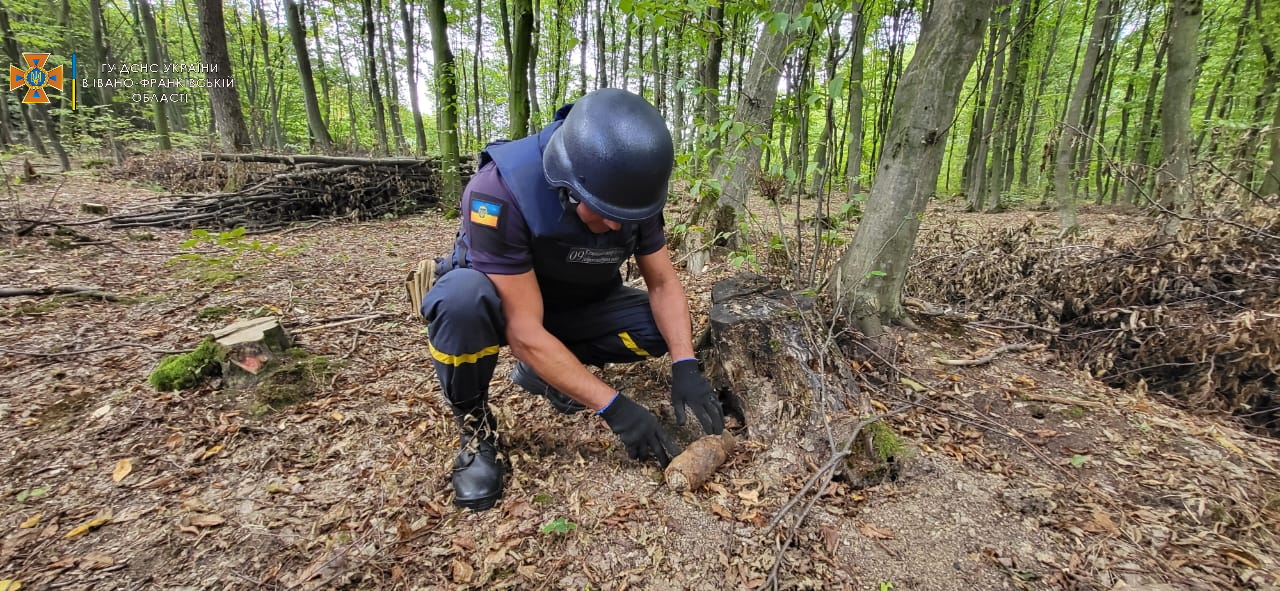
[523,376]
[478,469]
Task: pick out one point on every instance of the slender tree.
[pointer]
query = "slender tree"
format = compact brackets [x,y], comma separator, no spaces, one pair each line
[1071,134]
[100,53]
[411,61]
[520,47]
[754,117]
[158,114]
[1271,179]
[1175,112]
[319,132]
[709,78]
[869,277]
[369,31]
[857,131]
[224,97]
[446,99]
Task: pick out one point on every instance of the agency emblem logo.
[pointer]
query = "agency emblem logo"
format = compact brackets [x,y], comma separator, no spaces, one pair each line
[38,78]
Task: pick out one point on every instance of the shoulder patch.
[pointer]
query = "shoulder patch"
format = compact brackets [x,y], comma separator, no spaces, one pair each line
[485,213]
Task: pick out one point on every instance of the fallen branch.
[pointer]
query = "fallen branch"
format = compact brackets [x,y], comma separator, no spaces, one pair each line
[295,159]
[95,350]
[345,322]
[78,290]
[1017,348]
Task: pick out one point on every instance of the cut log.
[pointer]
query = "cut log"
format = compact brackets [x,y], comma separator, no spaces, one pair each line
[769,354]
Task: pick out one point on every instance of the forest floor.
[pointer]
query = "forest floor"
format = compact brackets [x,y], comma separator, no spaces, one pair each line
[1022,473]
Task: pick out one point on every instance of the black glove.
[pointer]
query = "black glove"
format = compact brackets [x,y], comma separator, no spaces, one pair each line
[688,386]
[639,431]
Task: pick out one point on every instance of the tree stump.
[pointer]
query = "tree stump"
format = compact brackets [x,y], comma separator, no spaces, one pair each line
[249,349]
[769,354]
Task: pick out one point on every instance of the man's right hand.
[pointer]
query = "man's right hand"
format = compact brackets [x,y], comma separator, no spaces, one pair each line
[639,431]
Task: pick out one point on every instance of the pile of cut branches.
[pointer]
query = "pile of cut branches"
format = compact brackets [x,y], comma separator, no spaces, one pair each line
[299,188]
[178,172]
[1197,317]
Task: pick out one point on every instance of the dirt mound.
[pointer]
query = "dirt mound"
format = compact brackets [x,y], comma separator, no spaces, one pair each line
[1193,316]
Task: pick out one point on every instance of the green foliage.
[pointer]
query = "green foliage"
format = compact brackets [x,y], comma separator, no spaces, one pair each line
[1078,461]
[32,493]
[176,372]
[232,254]
[558,526]
[214,312]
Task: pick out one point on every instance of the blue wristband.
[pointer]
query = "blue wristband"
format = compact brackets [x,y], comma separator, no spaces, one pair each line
[616,394]
[684,359]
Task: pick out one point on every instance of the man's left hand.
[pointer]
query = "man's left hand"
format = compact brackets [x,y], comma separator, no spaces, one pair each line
[690,387]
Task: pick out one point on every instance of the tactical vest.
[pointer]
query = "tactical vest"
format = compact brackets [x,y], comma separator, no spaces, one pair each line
[573,265]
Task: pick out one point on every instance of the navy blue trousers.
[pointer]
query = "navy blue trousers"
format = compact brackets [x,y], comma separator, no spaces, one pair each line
[466,330]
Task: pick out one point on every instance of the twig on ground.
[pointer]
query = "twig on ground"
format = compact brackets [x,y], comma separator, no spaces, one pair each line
[989,357]
[374,316]
[77,290]
[95,350]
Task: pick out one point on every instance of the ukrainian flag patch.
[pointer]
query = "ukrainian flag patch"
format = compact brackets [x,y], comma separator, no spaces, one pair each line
[485,213]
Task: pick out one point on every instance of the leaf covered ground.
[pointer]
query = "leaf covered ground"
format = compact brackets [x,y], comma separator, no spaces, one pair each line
[1024,473]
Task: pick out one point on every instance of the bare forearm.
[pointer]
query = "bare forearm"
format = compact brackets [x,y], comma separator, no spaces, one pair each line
[671,312]
[558,366]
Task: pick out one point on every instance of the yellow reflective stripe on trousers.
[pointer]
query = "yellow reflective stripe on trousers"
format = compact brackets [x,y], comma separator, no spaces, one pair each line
[456,360]
[631,344]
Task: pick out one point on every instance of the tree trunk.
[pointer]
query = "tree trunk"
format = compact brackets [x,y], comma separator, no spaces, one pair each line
[869,278]
[755,114]
[1064,162]
[1140,164]
[518,68]
[535,34]
[602,69]
[475,73]
[709,79]
[411,61]
[371,77]
[1042,81]
[269,64]
[979,181]
[1122,139]
[1249,151]
[1175,112]
[315,123]
[835,52]
[223,95]
[1271,180]
[1009,114]
[324,75]
[1228,70]
[158,114]
[857,131]
[446,101]
[99,55]
[353,140]
[387,55]
[582,52]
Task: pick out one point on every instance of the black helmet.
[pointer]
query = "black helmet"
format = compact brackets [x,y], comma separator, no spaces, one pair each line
[614,153]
